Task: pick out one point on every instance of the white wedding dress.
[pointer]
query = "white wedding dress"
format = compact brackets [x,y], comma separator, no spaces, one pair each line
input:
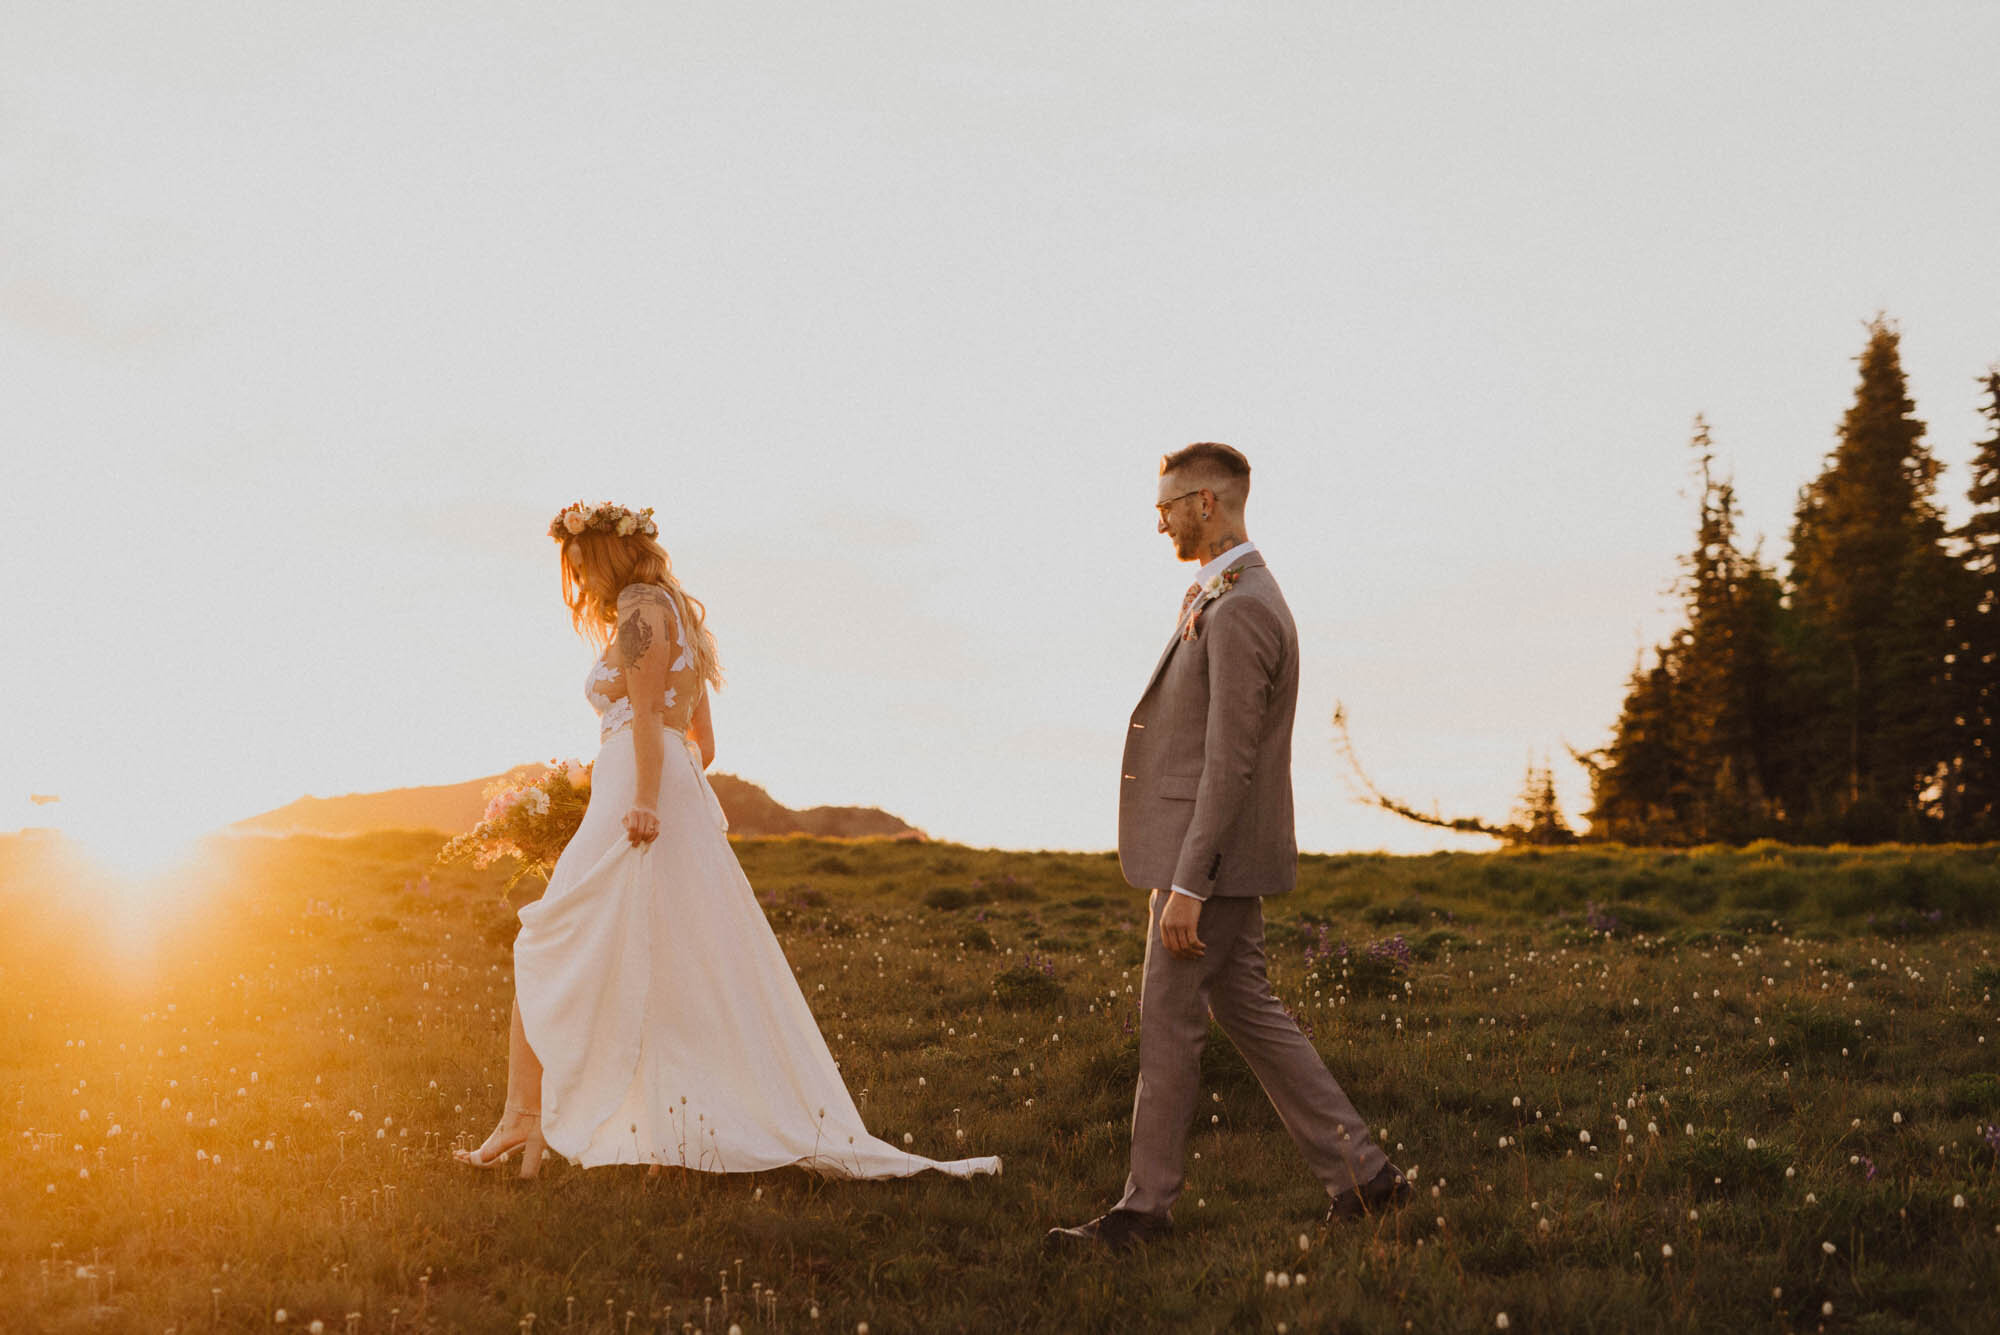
[668,1023]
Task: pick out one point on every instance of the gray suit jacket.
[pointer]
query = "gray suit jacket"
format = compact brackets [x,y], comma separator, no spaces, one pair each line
[1205,802]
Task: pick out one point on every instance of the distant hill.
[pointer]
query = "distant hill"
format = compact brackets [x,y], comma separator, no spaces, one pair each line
[454,807]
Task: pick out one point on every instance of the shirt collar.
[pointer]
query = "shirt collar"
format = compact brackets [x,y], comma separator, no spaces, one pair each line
[1223,562]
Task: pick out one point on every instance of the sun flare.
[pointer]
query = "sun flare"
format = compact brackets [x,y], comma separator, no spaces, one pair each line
[133,879]
[137,854]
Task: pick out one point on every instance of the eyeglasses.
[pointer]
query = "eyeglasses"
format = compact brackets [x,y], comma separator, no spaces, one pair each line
[1165,505]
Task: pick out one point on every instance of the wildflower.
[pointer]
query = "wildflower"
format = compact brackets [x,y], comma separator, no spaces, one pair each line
[1667,1250]
[1500,1321]
[1827,1247]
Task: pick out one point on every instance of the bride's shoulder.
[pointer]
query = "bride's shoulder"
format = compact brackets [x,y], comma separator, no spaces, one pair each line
[639,599]
[643,595]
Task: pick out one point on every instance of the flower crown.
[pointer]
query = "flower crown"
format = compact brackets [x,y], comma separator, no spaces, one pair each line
[603,518]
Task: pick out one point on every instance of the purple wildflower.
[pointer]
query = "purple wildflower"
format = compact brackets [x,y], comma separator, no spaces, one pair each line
[1394,950]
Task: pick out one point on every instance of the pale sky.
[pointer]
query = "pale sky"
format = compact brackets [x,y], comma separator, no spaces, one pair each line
[312,316]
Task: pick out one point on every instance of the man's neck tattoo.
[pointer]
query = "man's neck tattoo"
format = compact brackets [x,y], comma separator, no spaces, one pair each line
[1221,543]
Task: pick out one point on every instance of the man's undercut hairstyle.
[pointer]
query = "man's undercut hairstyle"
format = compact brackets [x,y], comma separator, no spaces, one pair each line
[1221,468]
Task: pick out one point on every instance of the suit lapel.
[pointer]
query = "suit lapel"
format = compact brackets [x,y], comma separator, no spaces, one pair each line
[1254,559]
[1161,666]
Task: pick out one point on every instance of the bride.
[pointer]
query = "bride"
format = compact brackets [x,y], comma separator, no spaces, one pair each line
[656,1020]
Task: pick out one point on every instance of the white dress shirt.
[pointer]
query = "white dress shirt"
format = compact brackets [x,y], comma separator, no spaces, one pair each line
[1201,578]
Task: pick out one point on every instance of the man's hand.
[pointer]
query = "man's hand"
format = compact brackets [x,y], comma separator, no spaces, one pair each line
[1178,921]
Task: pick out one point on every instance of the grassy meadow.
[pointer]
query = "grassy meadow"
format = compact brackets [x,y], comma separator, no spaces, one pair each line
[1639,1090]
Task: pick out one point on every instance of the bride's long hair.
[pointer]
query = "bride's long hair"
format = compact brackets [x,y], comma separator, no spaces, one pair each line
[596,567]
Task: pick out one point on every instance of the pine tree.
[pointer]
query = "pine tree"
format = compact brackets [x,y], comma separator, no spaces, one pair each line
[1726,668]
[1975,669]
[1538,814]
[1639,788]
[1693,757]
[1875,594]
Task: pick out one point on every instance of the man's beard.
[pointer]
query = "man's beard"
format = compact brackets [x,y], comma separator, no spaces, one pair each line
[1186,545]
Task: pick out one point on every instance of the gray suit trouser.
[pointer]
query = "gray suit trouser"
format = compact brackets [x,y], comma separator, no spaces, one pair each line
[1176,997]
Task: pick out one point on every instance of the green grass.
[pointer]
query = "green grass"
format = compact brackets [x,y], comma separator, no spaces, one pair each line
[1769,1049]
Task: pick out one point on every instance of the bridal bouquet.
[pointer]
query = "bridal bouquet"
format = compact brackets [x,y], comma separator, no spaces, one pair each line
[526,818]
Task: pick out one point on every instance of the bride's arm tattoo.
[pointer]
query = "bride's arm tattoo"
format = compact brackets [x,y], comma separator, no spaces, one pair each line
[635,628]
[635,637]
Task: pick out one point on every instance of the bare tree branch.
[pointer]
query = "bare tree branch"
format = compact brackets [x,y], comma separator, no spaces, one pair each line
[1343,745]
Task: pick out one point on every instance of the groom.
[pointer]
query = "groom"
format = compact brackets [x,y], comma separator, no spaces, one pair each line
[1205,824]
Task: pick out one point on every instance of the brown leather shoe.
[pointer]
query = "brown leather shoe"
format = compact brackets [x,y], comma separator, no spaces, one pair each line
[1385,1191]
[1116,1230]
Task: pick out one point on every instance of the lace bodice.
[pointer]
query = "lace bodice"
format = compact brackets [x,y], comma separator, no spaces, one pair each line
[603,688]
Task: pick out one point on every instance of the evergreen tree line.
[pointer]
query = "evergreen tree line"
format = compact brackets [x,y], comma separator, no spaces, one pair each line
[1853,698]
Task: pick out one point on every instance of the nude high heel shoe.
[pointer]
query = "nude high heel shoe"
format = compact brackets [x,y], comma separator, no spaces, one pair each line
[531,1145]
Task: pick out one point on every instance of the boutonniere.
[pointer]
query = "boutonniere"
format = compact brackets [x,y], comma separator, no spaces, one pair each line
[1210,591]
